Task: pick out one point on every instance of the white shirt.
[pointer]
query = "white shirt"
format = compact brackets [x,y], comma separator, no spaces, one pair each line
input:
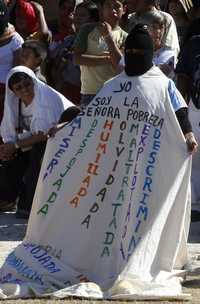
[164,56]
[6,55]
[26,116]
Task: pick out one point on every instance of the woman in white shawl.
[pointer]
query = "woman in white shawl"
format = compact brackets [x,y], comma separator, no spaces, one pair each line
[32,108]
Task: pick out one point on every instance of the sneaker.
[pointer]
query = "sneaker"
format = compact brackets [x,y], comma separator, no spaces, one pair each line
[7,206]
[22,214]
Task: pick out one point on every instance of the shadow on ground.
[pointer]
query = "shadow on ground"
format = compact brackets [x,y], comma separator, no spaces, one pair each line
[192,283]
[11,228]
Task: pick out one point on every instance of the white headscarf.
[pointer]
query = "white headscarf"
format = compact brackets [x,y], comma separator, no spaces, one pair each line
[48,105]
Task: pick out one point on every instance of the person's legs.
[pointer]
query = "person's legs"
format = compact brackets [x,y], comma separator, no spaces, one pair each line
[30,180]
[11,180]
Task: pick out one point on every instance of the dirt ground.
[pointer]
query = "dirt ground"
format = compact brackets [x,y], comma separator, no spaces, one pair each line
[12,231]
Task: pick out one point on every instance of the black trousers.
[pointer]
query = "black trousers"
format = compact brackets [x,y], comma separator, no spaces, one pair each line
[18,177]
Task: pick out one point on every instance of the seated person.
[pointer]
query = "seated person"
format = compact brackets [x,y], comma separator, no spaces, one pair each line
[32,108]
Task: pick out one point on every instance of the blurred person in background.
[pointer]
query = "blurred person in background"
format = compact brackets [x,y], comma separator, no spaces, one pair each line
[177,10]
[170,38]
[188,82]
[63,73]
[164,57]
[65,22]
[98,49]
[10,43]
[28,17]
[32,108]
[33,55]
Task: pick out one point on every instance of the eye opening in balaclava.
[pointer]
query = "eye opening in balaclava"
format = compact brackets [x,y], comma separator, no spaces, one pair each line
[138,53]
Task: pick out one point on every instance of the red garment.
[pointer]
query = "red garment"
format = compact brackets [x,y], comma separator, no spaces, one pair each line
[26,11]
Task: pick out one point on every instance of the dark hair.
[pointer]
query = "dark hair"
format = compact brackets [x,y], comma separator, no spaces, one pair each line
[154,17]
[92,9]
[39,48]
[153,2]
[17,77]
[101,2]
[61,2]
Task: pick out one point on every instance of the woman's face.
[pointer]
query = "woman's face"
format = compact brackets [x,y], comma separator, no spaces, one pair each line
[156,32]
[24,89]
[112,10]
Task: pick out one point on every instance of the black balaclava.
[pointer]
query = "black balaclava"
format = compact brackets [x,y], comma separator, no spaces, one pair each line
[138,53]
[3,17]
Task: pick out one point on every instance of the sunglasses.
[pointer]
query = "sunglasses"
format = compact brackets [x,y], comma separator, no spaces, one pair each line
[23,84]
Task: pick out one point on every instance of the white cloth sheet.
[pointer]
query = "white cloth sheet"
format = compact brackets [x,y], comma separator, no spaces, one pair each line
[110,213]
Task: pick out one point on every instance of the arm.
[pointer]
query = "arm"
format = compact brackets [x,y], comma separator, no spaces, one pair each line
[43,28]
[91,60]
[114,51]
[80,49]
[112,56]
[7,150]
[67,116]
[191,142]
[181,111]
[182,116]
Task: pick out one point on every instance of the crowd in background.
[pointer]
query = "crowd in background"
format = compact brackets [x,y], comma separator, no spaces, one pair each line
[84,48]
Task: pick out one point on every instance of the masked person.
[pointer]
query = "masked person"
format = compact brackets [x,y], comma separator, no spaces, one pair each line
[139,60]
[170,37]
[122,189]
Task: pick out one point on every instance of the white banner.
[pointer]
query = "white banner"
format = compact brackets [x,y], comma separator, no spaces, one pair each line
[110,213]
